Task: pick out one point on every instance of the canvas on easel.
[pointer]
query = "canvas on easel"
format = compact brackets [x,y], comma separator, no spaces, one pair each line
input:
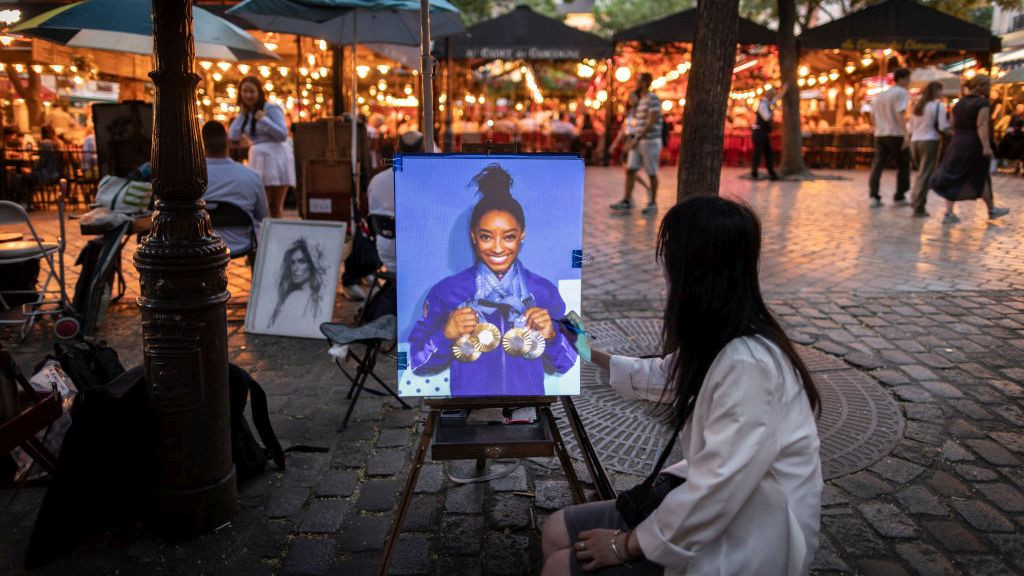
[488,259]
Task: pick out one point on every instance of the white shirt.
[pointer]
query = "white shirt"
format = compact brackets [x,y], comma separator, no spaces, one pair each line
[890,111]
[922,127]
[380,197]
[751,503]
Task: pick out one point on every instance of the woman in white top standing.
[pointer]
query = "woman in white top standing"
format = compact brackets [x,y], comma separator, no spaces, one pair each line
[927,124]
[747,497]
[263,124]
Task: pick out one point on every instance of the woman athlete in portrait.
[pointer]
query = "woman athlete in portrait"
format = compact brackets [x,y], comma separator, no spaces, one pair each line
[494,323]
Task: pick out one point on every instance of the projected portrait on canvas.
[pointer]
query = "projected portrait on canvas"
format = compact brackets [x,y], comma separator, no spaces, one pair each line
[492,326]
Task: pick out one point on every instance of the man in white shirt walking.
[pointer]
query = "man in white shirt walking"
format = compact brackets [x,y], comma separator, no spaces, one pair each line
[891,138]
[761,133]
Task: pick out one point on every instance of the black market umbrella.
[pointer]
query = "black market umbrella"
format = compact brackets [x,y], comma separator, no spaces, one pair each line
[682,27]
[902,25]
[523,34]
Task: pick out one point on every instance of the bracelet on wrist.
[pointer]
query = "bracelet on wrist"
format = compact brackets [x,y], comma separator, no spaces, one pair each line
[623,555]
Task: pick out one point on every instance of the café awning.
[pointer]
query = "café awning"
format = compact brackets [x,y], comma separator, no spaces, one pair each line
[682,27]
[523,34]
[902,25]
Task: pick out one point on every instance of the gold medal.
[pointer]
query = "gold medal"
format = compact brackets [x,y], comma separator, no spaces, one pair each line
[486,336]
[517,341]
[537,345]
[465,349]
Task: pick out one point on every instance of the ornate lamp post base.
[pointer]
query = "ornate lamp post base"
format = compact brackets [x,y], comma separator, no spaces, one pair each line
[183,281]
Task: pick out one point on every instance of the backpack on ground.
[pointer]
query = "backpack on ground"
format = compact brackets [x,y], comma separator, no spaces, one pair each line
[249,456]
[89,363]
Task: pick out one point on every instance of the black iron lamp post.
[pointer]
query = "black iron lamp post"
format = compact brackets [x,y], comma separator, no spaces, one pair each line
[183,274]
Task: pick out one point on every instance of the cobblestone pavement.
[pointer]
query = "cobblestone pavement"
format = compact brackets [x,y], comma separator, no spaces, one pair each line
[934,313]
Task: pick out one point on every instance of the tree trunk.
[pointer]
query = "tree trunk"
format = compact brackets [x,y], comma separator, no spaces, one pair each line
[31,94]
[792,139]
[707,97]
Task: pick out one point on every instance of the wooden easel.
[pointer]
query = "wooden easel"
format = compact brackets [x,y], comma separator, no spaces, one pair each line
[482,442]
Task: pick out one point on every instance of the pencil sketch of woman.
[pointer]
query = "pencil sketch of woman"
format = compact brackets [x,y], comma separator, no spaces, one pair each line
[300,283]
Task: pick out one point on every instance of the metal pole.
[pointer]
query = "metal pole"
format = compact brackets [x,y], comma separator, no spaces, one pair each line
[449,138]
[426,78]
[338,69]
[355,113]
[182,268]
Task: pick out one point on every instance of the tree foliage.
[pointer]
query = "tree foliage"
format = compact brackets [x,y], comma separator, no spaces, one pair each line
[615,15]
[474,11]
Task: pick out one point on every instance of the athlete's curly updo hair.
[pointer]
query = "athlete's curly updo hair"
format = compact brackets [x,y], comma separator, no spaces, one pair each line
[495,187]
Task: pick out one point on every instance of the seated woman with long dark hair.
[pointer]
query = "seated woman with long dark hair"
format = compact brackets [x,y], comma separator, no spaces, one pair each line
[747,497]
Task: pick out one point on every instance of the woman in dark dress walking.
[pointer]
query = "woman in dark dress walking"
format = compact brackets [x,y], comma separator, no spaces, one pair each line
[964,174]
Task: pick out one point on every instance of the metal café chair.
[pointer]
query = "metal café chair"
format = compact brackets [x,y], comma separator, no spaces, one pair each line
[44,301]
[226,215]
[371,336]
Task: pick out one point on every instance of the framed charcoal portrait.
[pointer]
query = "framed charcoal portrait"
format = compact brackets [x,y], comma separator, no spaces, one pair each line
[488,253]
[295,278]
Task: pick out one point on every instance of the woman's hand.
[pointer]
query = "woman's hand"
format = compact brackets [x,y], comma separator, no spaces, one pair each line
[259,115]
[461,321]
[594,549]
[538,319]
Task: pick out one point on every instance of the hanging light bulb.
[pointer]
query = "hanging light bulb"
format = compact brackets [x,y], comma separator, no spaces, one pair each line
[265,71]
[866,61]
[362,71]
[833,75]
[224,66]
[311,59]
[217,76]
[850,67]
[383,68]
[323,44]
[804,70]
[269,86]
[283,71]
[315,75]
[323,72]
[243,68]
[37,68]
[623,74]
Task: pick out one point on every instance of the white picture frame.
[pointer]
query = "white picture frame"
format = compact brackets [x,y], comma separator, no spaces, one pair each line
[295,306]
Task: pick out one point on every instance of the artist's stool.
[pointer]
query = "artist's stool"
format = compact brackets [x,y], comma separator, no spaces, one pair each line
[371,336]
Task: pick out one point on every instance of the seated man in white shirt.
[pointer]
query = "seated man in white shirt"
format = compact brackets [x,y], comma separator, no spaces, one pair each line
[380,196]
[229,181]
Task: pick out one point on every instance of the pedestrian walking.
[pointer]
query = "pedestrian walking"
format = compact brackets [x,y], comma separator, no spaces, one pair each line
[761,133]
[892,141]
[747,497]
[262,124]
[641,139]
[927,125]
[964,173]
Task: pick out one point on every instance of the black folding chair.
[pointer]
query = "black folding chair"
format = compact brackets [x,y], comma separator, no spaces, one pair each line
[226,215]
[372,336]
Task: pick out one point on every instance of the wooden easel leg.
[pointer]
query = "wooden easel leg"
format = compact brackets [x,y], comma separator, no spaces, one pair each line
[563,455]
[605,490]
[410,487]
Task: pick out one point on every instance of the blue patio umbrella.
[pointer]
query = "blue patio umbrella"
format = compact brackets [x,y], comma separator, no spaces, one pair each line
[127,26]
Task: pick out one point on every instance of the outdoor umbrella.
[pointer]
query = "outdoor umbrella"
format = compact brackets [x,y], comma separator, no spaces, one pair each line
[921,77]
[343,22]
[1014,76]
[127,26]
[352,21]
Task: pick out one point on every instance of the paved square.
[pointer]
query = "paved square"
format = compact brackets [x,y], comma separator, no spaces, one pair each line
[934,313]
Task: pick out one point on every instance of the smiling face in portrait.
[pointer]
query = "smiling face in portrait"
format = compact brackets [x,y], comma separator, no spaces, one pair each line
[497,240]
[250,93]
[298,267]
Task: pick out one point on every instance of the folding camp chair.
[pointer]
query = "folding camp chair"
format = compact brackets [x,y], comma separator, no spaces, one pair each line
[372,336]
[44,301]
[94,291]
